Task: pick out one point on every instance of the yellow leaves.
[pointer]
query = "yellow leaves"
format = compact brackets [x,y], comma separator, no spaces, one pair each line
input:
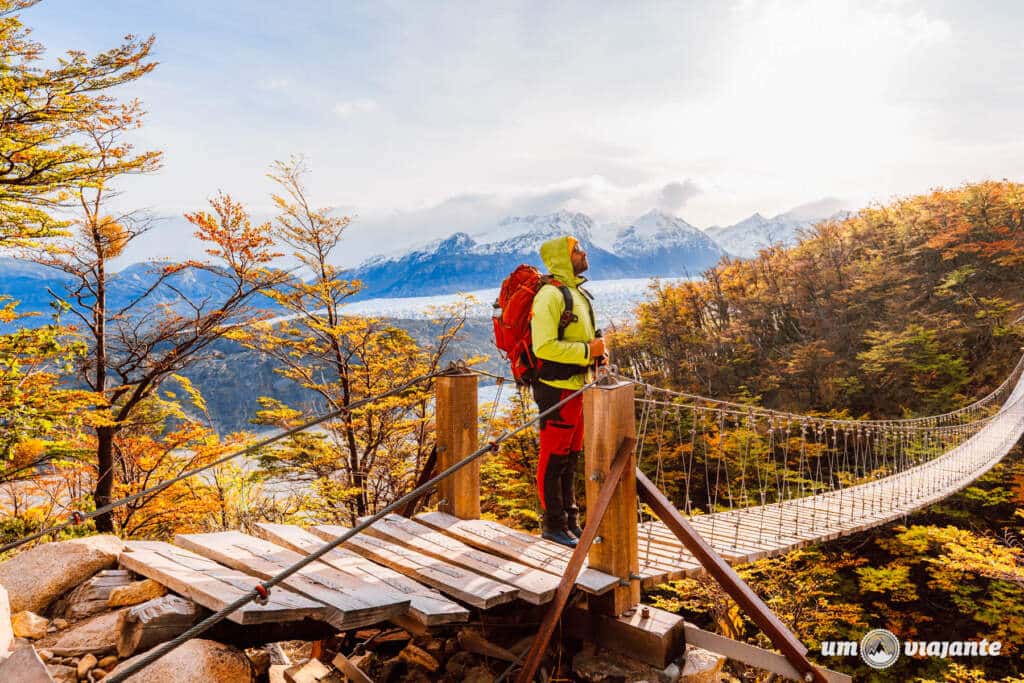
[112,236]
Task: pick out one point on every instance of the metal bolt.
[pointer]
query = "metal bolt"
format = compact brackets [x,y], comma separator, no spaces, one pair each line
[596,476]
[598,539]
[808,677]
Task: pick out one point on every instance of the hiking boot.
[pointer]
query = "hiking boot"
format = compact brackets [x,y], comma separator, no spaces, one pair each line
[561,536]
[575,530]
[572,523]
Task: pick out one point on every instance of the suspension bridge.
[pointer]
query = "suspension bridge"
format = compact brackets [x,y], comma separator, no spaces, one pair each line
[745,482]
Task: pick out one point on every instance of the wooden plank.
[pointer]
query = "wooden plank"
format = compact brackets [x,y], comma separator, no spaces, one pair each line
[212,585]
[350,602]
[609,419]
[457,582]
[524,548]
[426,605]
[535,586]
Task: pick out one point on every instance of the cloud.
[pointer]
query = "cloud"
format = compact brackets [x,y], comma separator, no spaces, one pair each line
[273,84]
[675,195]
[357,106]
[476,212]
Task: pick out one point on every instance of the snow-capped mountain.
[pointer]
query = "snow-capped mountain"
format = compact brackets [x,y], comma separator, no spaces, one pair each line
[746,238]
[666,245]
[654,245]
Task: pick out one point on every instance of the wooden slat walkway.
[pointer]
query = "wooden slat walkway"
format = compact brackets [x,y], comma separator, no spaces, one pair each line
[351,602]
[426,605]
[212,585]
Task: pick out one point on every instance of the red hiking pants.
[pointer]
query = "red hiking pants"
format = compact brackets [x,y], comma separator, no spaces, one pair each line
[561,442]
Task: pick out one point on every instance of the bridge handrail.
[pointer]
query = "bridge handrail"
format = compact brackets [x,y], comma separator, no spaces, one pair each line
[927,421]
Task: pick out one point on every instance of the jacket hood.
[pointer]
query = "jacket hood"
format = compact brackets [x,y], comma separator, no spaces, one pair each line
[556,254]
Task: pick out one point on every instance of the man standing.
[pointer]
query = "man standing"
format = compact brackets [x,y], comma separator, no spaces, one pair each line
[566,356]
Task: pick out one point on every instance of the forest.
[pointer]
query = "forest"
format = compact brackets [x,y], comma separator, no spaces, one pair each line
[903,310]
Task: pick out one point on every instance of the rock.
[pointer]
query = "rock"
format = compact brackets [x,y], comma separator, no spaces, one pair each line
[45,655]
[91,597]
[108,662]
[85,664]
[61,673]
[153,622]
[40,575]
[312,671]
[459,663]
[260,659]
[96,635]
[29,625]
[6,630]
[276,672]
[702,666]
[416,656]
[98,673]
[24,666]
[135,593]
[195,660]
[479,674]
[605,666]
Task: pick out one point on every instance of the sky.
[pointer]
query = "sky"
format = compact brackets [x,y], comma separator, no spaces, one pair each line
[423,118]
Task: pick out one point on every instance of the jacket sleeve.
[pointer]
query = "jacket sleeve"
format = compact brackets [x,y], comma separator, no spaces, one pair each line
[547,310]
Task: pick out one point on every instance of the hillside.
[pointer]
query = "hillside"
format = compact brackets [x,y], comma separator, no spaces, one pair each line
[900,309]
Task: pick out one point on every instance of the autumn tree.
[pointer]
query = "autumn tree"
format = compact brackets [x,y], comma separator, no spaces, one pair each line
[134,346]
[366,456]
[45,117]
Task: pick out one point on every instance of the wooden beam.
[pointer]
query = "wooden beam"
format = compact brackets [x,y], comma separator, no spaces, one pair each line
[752,655]
[595,516]
[349,668]
[648,634]
[608,418]
[456,416]
[728,579]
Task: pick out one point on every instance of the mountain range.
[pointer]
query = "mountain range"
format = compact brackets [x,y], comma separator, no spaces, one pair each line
[655,244]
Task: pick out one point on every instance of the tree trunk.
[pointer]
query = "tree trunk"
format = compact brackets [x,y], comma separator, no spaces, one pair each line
[105,478]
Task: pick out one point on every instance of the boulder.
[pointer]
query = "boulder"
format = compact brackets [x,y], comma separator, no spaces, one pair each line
[136,593]
[29,625]
[62,673]
[91,596]
[97,635]
[24,666]
[108,662]
[195,660]
[40,575]
[6,630]
[85,664]
[702,666]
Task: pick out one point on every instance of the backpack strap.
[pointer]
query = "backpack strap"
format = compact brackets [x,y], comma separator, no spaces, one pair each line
[568,316]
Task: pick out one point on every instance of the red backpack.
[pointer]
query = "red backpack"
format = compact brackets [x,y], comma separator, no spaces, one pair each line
[511,317]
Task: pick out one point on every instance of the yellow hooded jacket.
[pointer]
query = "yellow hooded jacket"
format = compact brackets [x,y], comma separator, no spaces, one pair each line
[574,347]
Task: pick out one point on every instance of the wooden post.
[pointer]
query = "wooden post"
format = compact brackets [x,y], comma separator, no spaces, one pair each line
[456,415]
[608,420]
